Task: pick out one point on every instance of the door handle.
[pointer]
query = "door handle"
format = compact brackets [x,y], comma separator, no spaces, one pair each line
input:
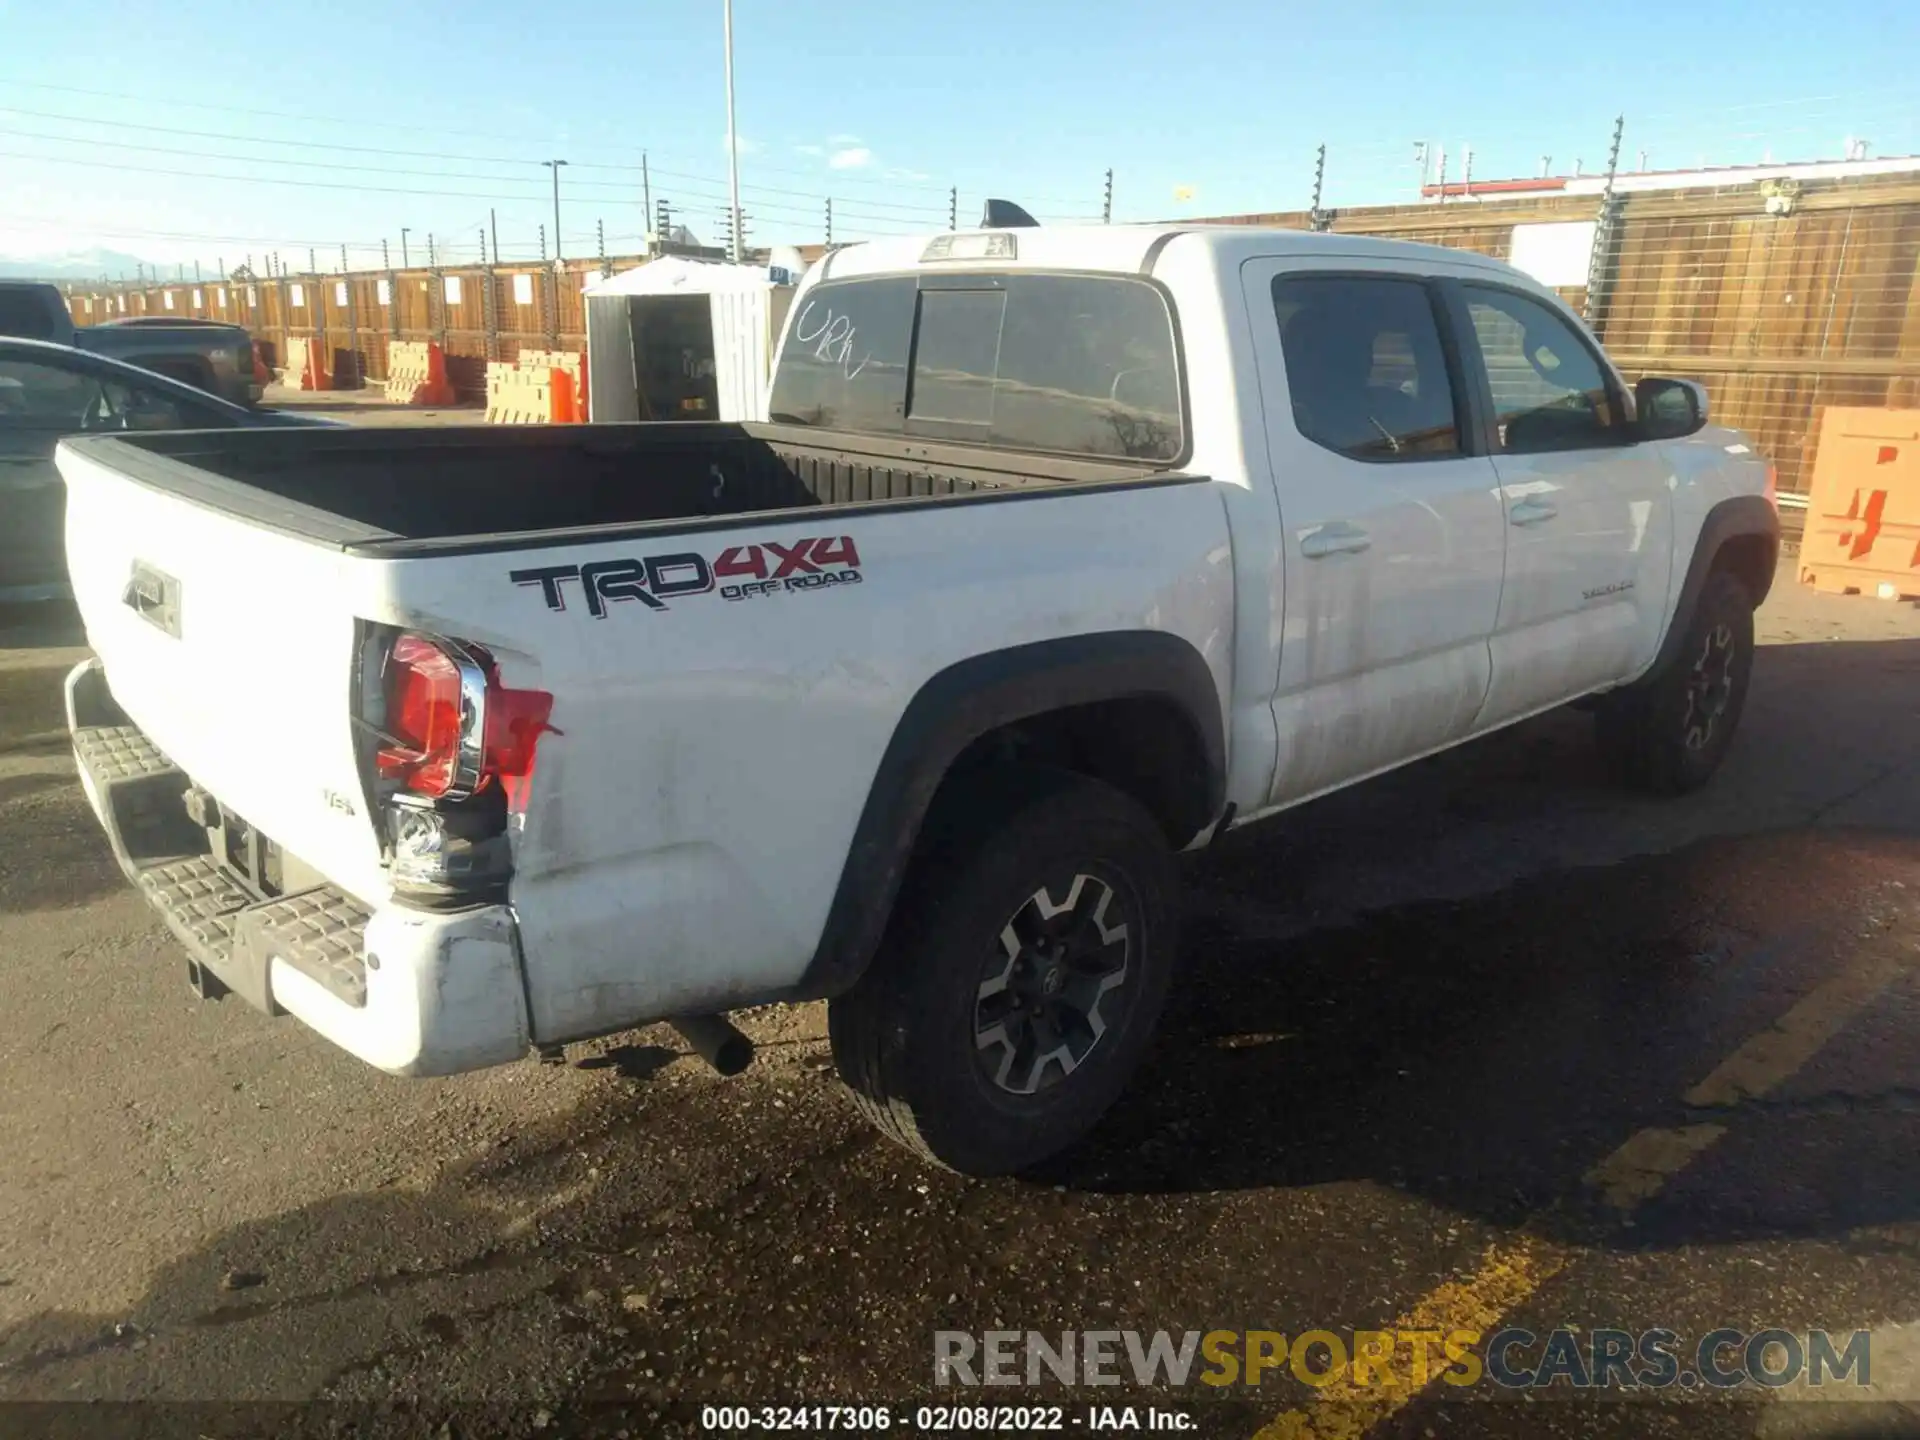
[1337,538]
[1532,512]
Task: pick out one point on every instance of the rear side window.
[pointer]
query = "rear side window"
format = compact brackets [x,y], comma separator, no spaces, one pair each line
[1069,364]
[1366,373]
[26,313]
[844,363]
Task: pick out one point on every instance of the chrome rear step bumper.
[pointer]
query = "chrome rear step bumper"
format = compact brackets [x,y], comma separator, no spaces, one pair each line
[413,992]
[230,937]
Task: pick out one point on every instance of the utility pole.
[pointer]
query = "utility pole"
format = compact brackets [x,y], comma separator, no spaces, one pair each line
[662,225]
[438,294]
[1420,163]
[646,189]
[493,225]
[554,166]
[1106,204]
[1466,172]
[1319,179]
[404,232]
[733,138]
[490,294]
[829,220]
[196,264]
[353,318]
[313,264]
[393,291]
[1440,180]
[600,227]
[953,208]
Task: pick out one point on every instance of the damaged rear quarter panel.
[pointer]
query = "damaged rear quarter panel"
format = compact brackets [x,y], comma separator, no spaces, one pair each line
[687,825]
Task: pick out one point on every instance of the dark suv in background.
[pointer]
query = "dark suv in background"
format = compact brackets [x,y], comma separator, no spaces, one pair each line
[205,354]
[48,392]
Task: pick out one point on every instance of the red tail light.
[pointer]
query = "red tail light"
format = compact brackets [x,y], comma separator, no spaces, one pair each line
[456,728]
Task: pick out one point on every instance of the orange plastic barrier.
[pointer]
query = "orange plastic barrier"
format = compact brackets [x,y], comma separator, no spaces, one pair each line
[417,374]
[306,364]
[566,405]
[1863,508]
[517,396]
[569,399]
[543,387]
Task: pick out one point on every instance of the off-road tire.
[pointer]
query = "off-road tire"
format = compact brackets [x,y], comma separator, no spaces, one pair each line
[1669,736]
[906,1037]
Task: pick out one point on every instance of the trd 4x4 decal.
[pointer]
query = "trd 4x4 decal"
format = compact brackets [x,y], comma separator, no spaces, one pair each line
[739,572]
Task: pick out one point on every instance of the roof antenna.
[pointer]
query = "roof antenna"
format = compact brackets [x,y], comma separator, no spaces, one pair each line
[1005,215]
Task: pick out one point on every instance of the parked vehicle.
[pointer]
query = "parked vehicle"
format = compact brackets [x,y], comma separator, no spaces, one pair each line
[209,355]
[48,392]
[1066,550]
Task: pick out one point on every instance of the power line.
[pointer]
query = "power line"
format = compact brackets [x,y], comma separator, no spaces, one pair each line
[335,120]
[377,170]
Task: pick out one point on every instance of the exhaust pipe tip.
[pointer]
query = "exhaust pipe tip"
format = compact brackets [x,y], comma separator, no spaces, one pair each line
[716,1040]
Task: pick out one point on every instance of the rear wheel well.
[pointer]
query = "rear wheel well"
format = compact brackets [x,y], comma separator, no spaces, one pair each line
[1750,559]
[1144,746]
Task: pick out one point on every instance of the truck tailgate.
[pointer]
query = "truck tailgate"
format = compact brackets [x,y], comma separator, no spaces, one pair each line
[232,646]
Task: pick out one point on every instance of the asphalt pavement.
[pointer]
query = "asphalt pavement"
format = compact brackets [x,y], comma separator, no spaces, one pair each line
[1486,1043]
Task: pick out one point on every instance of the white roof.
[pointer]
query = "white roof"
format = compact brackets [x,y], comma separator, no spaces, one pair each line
[678,275]
[1126,248]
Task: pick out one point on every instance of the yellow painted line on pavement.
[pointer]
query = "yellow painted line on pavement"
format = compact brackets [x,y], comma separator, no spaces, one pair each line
[1507,1274]
[1512,1270]
[1774,1055]
[1650,1158]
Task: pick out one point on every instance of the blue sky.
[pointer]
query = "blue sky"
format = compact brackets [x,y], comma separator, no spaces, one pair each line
[428,116]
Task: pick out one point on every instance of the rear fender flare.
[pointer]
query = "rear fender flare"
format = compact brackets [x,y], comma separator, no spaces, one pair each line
[959,705]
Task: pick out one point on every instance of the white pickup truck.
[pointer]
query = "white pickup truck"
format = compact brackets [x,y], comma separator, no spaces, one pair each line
[1064,550]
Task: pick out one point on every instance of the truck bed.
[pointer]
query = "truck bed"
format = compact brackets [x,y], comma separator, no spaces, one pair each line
[442,490]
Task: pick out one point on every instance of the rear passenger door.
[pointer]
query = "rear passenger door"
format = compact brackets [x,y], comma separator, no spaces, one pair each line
[1393,531]
[1587,510]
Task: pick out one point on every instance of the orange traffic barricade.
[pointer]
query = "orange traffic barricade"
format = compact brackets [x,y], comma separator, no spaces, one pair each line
[417,374]
[306,364]
[1863,508]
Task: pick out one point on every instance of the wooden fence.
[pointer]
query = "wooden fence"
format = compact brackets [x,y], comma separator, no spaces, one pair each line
[1780,306]
[475,313]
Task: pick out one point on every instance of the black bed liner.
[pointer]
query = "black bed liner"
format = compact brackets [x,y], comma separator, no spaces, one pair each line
[445,490]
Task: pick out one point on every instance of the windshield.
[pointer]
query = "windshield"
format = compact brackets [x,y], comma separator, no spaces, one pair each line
[1069,364]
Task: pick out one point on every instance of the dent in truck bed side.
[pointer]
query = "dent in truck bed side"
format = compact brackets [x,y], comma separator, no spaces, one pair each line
[971,699]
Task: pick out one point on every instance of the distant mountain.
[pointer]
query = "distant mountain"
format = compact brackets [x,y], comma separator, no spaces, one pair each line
[76,265]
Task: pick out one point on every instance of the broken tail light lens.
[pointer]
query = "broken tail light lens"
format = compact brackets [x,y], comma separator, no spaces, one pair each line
[453,728]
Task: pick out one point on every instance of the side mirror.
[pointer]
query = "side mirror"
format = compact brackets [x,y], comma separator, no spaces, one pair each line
[1669,409]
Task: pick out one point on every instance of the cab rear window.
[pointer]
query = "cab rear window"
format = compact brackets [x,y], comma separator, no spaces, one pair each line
[1065,364]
